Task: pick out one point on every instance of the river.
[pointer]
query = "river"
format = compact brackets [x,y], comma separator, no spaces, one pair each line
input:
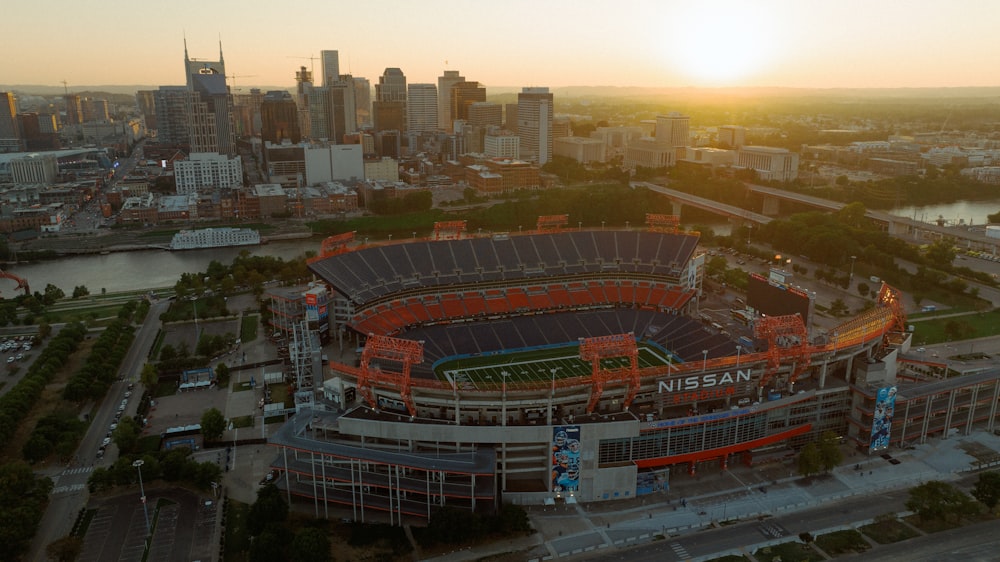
[958,212]
[125,271]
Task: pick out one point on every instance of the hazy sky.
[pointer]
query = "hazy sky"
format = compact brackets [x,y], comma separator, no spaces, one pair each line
[796,43]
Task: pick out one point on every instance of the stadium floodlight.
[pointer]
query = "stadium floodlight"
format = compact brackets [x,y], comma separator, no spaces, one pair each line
[704,359]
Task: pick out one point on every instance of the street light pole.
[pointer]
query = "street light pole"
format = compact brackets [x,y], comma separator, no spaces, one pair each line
[142,494]
[704,359]
[739,348]
[850,278]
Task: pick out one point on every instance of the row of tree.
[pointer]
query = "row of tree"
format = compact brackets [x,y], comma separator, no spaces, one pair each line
[173,465]
[100,369]
[21,399]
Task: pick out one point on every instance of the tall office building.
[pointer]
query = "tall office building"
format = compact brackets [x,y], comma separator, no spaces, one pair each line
[389,108]
[673,129]
[421,107]
[331,66]
[74,109]
[211,125]
[171,103]
[363,100]
[95,110]
[463,95]
[204,67]
[279,118]
[146,100]
[535,110]
[391,86]
[213,128]
[332,113]
[445,82]
[484,113]
[10,134]
[303,89]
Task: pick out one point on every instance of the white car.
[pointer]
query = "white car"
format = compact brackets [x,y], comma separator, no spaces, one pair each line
[106,442]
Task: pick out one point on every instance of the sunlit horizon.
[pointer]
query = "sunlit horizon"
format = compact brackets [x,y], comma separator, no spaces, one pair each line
[769,44]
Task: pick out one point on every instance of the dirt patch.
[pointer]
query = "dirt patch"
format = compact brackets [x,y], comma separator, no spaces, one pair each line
[980,452]
[50,401]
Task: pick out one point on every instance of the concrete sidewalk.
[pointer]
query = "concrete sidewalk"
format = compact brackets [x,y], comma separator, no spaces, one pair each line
[739,493]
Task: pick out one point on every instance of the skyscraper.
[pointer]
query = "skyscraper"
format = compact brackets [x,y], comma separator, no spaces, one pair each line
[421,107]
[331,66]
[389,109]
[535,109]
[211,126]
[363,100]
[74,109]
[484,113]
[303,90]
[10,135]
[279,117]
[194,67]
[331,110]
[445,82]
[463,95]
[146,100]
[171,103]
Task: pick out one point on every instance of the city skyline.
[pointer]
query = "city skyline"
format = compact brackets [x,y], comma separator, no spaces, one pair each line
[773,43]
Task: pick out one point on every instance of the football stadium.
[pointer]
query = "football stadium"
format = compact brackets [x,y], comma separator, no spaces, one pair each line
[565,365]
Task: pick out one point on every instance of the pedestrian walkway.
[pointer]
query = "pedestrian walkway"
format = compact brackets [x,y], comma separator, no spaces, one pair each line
[739,493]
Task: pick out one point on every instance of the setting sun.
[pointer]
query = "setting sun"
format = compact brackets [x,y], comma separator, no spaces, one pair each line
[721,43]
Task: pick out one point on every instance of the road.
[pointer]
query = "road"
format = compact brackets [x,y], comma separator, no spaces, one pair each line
[69,494]
[972,543]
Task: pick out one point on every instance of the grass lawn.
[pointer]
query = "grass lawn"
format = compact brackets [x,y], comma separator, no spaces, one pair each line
[248,331]
[979,324]
[237,538]
[279,393]
[148,444]
[242,421]
[241,386]
[888,531]
[165,388]
[842,542]
[788,552]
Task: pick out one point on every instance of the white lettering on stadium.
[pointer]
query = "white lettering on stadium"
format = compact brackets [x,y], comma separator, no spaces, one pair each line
[707,380]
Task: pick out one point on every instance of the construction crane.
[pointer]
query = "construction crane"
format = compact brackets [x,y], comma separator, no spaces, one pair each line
[312,62]
[235,76]
[21,283]
[65,87]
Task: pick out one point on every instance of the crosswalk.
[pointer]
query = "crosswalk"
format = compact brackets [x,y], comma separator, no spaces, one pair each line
[679,550]
[77,470]
[68,489]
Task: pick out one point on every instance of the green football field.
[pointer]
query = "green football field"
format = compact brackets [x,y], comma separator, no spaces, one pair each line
[533,366]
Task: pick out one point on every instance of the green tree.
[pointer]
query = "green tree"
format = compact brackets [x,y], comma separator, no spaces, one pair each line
[80,291]
[987,489]
[268,509]
[23,497]
[271,545]
[52,294]
[940,253]
[863,289]
[213,423]
[150,376]
[829,451]
[66,549]
[311,544]
[810,460]
[126,435]
[222,374]
[838,308]
[936,500]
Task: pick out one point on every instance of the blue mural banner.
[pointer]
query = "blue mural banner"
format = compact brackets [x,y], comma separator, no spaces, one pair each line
[885,406]
[566,458]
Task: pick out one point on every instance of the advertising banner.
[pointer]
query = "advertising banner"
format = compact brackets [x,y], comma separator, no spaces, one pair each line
[566,458]
[885,405]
